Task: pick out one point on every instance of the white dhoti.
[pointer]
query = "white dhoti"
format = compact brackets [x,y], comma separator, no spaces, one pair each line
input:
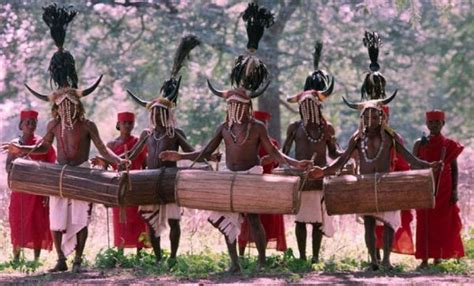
[69,217]
[157,216]
[392,218]
[227,222]
[313,210]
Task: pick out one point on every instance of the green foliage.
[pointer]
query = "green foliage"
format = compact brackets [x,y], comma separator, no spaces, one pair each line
[451,266]
[469,244]
[21,265]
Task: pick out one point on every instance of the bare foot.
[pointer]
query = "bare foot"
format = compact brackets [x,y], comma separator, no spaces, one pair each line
[260,266]
[314,260]
[423,265]
[76,267]
[234,269]
[437,261]
[60,266]
[373,267]
[387,265]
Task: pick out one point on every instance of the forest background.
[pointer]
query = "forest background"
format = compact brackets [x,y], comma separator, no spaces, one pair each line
[425,55]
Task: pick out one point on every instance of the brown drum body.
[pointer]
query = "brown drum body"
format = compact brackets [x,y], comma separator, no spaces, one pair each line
[237,192]
[309,185]
[379,192]
[41,178]
[93,185]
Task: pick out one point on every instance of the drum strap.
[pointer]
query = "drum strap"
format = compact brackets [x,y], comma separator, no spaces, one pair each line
[61,181]
[232,192]
[375,193]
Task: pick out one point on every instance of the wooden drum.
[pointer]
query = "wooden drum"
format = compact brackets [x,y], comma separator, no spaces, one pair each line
[379,192]
[237,192]
[92,185]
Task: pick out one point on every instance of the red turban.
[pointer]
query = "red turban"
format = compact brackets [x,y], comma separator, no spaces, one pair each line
[27,114]
[262,115]
[435,115]
[125,116]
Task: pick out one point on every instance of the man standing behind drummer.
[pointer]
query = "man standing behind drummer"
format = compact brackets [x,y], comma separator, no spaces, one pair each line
[127,233]
[28,213]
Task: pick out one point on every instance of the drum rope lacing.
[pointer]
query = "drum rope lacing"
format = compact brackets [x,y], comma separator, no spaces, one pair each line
[234,175]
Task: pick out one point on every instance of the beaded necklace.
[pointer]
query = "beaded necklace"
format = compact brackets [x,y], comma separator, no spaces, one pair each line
[364,143]
[311,139]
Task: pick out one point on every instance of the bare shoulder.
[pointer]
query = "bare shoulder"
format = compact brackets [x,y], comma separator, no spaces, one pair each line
[52,123]
[90,125]
[180,132]
[292,127]
[329,128]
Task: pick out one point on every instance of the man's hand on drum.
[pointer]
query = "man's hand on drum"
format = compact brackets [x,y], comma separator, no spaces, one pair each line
[99,162]
[170,156]
[267,160]
[304,164]
[316,173]
[437,166]
[216,157]
[11,148]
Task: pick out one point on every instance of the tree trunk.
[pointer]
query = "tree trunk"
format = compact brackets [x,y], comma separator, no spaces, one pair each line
[269,101]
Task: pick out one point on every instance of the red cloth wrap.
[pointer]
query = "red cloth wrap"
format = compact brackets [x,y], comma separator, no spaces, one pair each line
[272,223]
[29,214]
[126,235]
[438,230]
[403,237]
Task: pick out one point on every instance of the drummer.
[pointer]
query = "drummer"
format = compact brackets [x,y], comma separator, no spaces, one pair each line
[28,213]
[374,142]
[242,134]
[73,132]
[164,135]
[312,135]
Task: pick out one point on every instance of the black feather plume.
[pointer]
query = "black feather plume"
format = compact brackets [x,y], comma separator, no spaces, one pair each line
[248,72]
[318,47]
[256,19]
[57,19]
[185,46]
[372,41]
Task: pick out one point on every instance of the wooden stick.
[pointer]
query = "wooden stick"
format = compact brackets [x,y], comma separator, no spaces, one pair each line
[443,155]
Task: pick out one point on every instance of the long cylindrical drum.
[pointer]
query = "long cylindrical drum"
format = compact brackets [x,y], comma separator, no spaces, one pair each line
[379,192]
[92,185]
[237,192]
[309,185]
[41,178]
[155,186]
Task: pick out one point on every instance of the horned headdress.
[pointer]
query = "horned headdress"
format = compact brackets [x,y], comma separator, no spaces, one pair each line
[373,87]
[170,89]
[318,86]
[249,73]
[62,69]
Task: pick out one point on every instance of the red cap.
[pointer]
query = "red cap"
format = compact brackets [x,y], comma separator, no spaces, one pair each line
[262,115]
[435,115]
[386,110]
[125,116]
[27,114]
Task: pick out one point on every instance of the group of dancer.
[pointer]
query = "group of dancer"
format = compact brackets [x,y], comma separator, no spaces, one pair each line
[248,148]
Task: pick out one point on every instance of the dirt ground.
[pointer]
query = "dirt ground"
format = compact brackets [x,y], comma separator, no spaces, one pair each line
[128,277]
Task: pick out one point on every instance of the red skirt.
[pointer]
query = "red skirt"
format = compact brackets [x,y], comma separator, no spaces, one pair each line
[274,230]
[403,238]
[29,221]
[127,234]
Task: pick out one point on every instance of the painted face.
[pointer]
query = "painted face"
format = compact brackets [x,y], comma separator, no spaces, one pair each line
[372,118]
[160,116]
[28,126]
[310,111]
[435,126]
[237,111]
